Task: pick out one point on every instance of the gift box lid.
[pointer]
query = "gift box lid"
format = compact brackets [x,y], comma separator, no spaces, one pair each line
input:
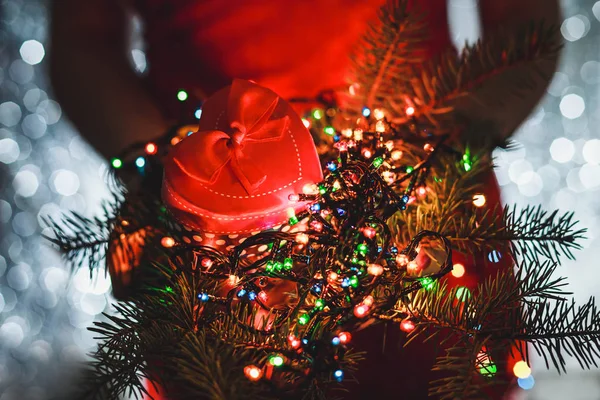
[235,174]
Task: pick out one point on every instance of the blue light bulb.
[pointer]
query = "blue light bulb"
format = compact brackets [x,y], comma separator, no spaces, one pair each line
[338,375]
[203,297]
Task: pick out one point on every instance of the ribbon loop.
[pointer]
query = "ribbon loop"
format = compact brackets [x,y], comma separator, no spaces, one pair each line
[249,110]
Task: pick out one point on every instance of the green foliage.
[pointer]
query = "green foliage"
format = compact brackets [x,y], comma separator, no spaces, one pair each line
[387,53]
[443,82]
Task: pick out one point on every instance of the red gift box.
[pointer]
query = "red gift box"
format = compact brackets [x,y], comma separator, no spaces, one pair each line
[235,175]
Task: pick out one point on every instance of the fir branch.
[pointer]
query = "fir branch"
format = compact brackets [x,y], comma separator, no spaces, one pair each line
[390,47]
[441,83]
[558,328]
[506,310]
[209,368]
[460,364]
[82,241]
[530,232]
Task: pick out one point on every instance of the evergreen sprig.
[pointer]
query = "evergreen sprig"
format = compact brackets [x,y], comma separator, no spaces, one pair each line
[387,52]
[441,84]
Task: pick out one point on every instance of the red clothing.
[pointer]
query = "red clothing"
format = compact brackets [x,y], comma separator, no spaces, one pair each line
[297,49]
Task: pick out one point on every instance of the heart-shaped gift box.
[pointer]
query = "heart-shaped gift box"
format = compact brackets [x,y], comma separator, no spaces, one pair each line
[235,175]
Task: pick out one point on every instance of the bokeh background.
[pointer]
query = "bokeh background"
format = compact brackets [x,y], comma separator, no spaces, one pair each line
[46,167]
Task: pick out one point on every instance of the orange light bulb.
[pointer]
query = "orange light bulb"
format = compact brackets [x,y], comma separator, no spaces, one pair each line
[407,325]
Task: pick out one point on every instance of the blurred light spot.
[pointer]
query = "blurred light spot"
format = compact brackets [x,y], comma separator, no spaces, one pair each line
[10,298]
[32,52]
[58,156]
[596,10]
[517,169]
[1,302]
[550,177]
[79,319]
[589,175]
[34,126]
[72,354]
[40,351]
[48,300]
[2,267]
[11,334]
[578,156]
[25,183]
[572,106]
[521,369]
[15,245]
[19,277]
[526,383]
[139,60]
[458,270]
[21,72]
[560,81]
[562,150]
[100,284]
[494,256]
[93,304]
[591,151]
[530,184]
[78,148]
[65,182]
[9,151]
[10,113]
[50,110]
[54,279]
[75,203]
[575,27]
[24,224]
[573,181]
[590,72]
[33,97]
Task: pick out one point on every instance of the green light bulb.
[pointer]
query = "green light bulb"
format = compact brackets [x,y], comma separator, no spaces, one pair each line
[377,162]
[462,293]
[117,163]
[276,360]
[269,267]
[303,319]
[428,283]
[319,304]
[288,263]
[362,248]
[293,220]
[329,130]
[317,114]
[488,369]
[182,95]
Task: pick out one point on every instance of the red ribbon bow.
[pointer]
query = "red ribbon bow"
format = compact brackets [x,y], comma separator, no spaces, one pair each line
[249,108]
